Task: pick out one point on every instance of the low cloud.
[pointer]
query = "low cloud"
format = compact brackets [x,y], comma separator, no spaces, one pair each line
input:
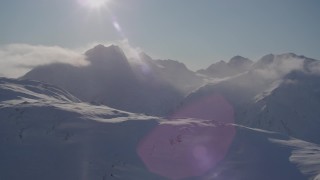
[315,68]
[283,64]
[17,59]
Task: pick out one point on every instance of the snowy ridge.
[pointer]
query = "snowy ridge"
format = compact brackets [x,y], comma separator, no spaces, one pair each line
[28,94]
[306,155]
[28,88]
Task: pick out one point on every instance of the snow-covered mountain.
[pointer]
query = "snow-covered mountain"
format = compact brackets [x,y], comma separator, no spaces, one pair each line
[145,86]
[46,133]
[279,93]
[167,71]
[177,74]
[222,69]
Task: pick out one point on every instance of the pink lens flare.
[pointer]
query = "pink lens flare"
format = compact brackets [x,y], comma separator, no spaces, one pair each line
[184,148]
[176,153]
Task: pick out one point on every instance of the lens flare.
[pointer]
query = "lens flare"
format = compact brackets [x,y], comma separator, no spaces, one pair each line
[117,26]
[184,148]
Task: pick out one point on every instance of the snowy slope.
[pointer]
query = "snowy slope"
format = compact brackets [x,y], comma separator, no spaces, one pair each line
[46,133]
[49,134]
[291,107]
[305,155]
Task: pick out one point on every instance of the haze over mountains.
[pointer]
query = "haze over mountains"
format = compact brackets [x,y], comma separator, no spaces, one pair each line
[278,92]
[146,86]
[141,118]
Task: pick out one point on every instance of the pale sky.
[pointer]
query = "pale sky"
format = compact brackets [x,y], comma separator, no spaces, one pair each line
[195,32]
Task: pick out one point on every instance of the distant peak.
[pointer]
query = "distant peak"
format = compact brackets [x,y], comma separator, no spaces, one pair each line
[112,46]
[216,65]
[171,63]
[144,56]
[268,55]
[103,54]
[265,61]
[288,55]
[221,62]
[237,57]
[239,60]
[267,58]
[101,47]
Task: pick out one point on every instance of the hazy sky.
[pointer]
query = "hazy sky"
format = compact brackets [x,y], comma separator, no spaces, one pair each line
[196,32]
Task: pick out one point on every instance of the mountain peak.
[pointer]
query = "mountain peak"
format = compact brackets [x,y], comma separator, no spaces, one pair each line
[103,54]
[173,64]
[219,63]
[269,59]
[236,65]
[264,61]
[237,57]
[239,61]
[289,55]
[101,48]
[145,56]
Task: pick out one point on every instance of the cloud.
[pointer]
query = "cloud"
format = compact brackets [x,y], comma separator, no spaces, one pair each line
[282,65]
[315,67]
[131,52]
[17,59]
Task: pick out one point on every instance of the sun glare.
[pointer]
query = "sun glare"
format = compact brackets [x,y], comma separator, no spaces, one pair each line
[94,4]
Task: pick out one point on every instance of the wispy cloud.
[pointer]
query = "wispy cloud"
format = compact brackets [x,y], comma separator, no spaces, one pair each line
[315,68]
[283,64]
[17,59]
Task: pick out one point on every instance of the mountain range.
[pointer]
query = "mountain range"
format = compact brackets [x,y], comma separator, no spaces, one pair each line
[277,93]
[236,65]
[144,118]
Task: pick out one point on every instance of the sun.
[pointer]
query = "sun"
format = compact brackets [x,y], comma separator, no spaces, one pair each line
[93,4]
